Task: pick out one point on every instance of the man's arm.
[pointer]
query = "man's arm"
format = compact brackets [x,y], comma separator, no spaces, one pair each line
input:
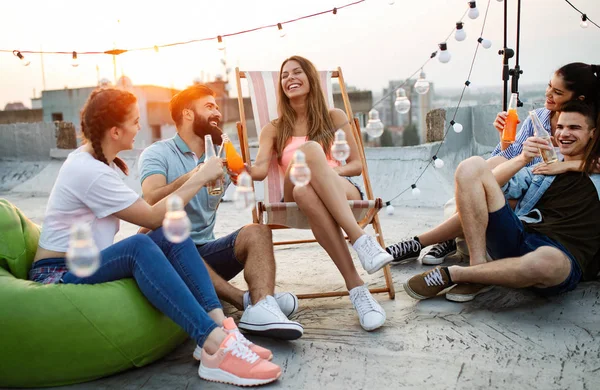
[155,187]
[507,170]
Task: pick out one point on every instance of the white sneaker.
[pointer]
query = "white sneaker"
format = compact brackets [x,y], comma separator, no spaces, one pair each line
[288,302]
[266,319]
[370,313]
[372,256]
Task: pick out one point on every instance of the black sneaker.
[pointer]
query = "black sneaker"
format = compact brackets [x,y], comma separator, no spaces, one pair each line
[438,253]
[405,251]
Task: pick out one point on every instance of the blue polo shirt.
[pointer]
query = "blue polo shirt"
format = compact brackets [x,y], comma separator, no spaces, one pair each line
[172,158]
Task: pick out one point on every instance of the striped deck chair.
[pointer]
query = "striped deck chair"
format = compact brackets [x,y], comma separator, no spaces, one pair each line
[285,215]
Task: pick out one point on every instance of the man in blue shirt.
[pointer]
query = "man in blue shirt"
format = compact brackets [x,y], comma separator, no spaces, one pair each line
[549,242]
[165,166]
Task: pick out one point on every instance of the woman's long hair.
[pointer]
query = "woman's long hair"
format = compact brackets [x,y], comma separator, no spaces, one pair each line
[105,109]
[320,126]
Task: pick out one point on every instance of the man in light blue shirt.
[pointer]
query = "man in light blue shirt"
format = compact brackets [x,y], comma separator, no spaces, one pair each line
[165,166]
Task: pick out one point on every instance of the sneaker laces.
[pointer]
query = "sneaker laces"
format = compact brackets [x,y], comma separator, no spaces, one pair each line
[241,351]
[371,248]
[441,248]
[434,278]
[403,247]
[364,302]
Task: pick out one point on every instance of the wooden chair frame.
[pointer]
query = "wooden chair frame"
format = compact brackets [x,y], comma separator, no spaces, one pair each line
[371,218]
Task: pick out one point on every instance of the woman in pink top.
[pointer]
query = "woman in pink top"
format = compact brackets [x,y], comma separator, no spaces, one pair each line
[307,124]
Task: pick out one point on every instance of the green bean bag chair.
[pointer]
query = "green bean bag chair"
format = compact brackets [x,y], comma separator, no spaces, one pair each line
[53,335]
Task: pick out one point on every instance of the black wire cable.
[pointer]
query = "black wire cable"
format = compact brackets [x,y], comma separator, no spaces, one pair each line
[121,51]
[586,16]
[455,111]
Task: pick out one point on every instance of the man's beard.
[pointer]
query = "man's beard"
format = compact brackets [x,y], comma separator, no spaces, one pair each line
[202,127]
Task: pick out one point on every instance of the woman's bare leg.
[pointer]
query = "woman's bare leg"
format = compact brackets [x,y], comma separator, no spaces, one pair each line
[332,189]
[327,232]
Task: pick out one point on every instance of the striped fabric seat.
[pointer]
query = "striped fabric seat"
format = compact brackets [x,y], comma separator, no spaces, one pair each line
[263,95]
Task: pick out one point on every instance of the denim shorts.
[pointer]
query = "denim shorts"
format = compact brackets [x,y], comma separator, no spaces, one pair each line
[48,271]
[219,254]
[506,237]
[360,191]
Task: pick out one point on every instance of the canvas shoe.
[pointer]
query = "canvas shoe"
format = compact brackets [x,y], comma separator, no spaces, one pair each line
[428,284]
[466,292]
[288,302]
[372,256]
[370,313]
[266,319]
[229,326]
[236,364]
[438,253]
[405,251]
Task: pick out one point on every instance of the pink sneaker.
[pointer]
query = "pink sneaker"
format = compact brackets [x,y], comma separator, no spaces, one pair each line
[236,364]
[229,326]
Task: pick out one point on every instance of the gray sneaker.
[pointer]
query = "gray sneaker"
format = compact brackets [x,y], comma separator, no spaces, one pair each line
[265,318]
[405,251]
[438,253]
[288,302]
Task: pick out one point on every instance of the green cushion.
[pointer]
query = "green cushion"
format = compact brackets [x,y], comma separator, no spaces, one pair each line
[58,334]
[18,242]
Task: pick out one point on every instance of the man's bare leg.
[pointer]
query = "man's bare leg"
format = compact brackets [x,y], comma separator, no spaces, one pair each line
[545,267]
[254,248]
[477,195]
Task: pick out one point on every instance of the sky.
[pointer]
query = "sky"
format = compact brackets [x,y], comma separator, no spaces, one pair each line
[373,42]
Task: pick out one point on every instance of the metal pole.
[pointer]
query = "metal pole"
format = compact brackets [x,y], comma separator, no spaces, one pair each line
[517,72]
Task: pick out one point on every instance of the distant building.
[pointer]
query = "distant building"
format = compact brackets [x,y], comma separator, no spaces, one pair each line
[15,106]
[420,105]
[66,105]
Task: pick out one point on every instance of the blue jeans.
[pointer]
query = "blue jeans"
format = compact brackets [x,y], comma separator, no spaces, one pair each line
[506,237]
[171,276]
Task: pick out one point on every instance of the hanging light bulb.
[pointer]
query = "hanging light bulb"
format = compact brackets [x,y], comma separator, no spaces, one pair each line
[75,62]
[389,210]
[473,11]
[24,61]
[486,43]
[438,162]
[444,55]
[281,32]
[422,85]
[220,43]
[456,126]
[340,150]
[176,225]
[374,126]
[415,191]
[460,34]
[83,257]
[402,103]
[584,23]
[244,193]
[300,172]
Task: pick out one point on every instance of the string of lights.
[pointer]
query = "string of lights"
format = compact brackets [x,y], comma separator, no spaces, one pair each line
[436,161]
[20,53]
[584,18]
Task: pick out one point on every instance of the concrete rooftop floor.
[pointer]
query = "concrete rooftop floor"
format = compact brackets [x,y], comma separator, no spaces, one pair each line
[505,339]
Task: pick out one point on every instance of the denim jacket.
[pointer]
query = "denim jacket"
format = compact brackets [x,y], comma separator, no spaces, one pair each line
[528,188]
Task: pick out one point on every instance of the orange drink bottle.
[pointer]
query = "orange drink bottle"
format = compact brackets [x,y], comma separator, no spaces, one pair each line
[234,160]
[512,119]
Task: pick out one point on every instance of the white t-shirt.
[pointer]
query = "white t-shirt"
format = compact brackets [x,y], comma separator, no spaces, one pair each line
[86,190]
